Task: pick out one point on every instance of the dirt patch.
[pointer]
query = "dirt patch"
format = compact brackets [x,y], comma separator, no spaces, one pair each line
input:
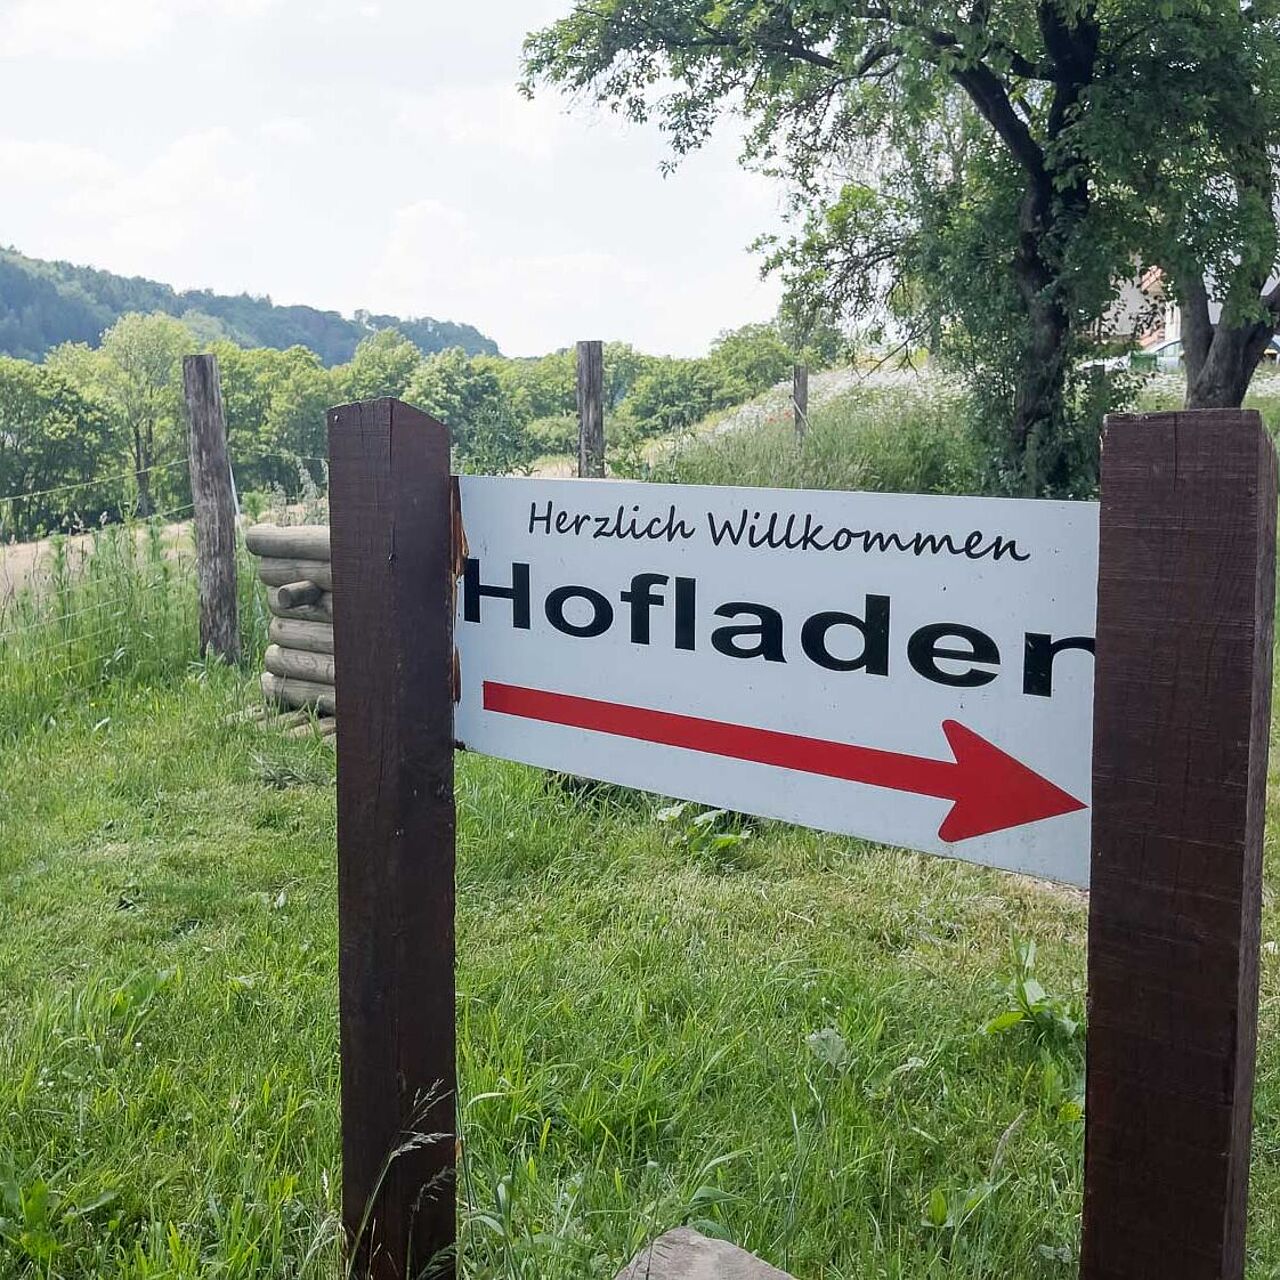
[26,565]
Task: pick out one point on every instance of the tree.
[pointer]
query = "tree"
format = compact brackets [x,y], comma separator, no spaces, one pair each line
[542,386]
[383,365]
[670,395]
[465,393]
[623,364]
[818,79]
[748,360]
[1198,92]
[1048,191]
[136,374]
[51,436]
[275,403]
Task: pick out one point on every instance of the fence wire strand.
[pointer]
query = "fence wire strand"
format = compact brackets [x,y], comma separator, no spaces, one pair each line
[89,484]
[153,585]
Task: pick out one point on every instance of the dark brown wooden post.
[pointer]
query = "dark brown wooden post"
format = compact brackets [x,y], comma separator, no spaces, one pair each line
[1181,720]
[390,529]
[800,399]
[213,499]
[590,409]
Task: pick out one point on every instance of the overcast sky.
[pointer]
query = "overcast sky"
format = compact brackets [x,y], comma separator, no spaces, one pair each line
[365,153]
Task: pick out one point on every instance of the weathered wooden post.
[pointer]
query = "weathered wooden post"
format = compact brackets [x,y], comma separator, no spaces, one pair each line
[1182,712]
[390,539]
[590,409]
[215,508]
[800,399]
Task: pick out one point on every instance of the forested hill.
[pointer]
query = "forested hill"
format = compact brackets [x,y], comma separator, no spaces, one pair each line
[45,303]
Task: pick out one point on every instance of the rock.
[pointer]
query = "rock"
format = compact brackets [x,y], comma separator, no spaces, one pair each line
[685,1254]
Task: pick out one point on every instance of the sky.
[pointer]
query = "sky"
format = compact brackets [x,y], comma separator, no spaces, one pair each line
[367,154]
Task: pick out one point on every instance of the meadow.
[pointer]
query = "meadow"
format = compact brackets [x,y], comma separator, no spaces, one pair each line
[854,1061]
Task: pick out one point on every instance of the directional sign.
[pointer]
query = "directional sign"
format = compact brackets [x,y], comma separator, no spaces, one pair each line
[914,670]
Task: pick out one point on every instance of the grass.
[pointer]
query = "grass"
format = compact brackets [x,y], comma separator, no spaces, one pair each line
[115,606]
[826,1051]
[898,438]
[1164,391]
[168,1042]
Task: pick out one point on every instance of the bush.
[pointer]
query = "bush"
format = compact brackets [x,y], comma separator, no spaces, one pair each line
[555,434]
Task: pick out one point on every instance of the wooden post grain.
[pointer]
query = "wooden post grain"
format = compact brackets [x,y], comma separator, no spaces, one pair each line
[1182,711]
[590,409]
[393,646]
[214,502]
[800,399]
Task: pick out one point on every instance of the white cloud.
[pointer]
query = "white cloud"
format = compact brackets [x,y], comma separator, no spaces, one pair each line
[99,210]
[102,28]
[535,301]
[293,131]
[30,167]
[492,117]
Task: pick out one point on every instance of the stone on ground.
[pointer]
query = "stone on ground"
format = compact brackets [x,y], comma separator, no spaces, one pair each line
[685,1254]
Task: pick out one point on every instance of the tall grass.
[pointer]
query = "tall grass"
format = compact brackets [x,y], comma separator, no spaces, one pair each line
[1165,391]
[116,606]
[915,439]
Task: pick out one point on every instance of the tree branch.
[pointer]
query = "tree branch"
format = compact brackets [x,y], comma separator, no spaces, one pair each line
[989,96]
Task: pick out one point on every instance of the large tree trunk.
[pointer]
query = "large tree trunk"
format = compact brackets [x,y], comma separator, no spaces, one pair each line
[1040,390]
[1040,385]
[1220,365]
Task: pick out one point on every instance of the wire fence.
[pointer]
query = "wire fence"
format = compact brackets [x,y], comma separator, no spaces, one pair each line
[267,478]
[104,592]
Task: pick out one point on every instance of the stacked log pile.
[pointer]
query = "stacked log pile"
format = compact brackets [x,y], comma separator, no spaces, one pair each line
[294,564]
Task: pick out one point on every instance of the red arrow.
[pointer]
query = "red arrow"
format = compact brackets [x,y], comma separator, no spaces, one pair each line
[990,790]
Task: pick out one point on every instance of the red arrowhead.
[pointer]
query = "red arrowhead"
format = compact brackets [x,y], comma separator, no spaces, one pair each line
[994,791]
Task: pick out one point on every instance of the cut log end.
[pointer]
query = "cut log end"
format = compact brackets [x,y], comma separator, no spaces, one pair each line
[293,594]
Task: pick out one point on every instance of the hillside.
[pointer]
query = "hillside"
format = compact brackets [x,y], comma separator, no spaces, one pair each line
[45,303]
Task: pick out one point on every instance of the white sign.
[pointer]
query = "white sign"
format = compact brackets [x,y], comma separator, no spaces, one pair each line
[914,670]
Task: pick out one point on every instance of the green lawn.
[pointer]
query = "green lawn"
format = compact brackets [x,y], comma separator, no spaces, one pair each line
[780,1039]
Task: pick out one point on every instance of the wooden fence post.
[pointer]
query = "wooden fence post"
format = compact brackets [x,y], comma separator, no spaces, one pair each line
[590,409]
[215,508]
[390,543]
[800,399]
[1181,721]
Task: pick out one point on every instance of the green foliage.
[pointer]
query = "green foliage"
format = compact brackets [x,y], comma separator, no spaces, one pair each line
[712,838]
[784,1055]
[669,395]
[556,434]
[1031,1006]
[45,304]
[977,180]
[105,426]
[495,443]
[384,364]
[52,436]
[785,1049]
[748,360]
[115,605]
[913,438]
[136,375]
[541,387]
[455,389]
[275,404]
